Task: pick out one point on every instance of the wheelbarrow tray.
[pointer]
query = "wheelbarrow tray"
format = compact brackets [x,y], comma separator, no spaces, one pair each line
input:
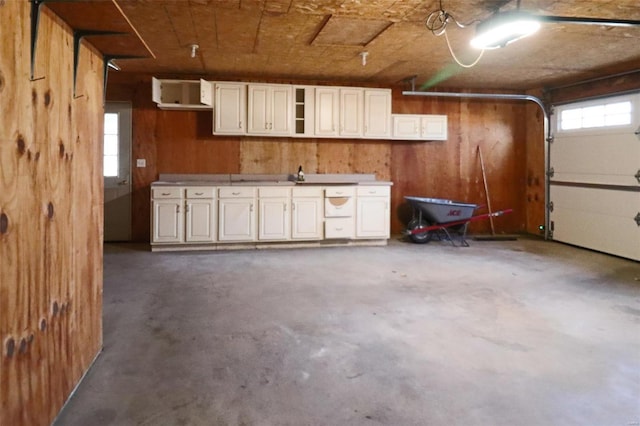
[440,211]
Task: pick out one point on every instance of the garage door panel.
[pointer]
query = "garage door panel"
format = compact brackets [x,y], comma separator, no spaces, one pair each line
[606,159]
[598,219]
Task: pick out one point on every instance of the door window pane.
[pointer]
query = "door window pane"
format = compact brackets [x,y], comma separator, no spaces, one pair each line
[111,165]
[111,142]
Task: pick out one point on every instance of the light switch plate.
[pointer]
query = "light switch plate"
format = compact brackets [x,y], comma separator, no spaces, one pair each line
[141,162]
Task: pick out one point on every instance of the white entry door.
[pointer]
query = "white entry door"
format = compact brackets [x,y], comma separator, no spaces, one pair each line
[595,175]
[117,171]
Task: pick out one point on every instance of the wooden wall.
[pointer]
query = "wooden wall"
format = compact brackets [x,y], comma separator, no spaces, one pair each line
[182,142]
[50,217]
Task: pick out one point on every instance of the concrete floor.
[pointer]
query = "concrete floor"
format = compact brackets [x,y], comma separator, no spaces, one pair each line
[501,333]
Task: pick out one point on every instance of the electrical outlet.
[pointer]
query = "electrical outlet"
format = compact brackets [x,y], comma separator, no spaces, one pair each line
[141,162]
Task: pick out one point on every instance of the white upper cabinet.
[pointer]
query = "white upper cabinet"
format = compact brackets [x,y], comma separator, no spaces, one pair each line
[420,127]
[327,111]
[339,112]
[350,112]
[177,94]
[270,109]
[434,127]
[406,126]
[230,108]
[377,113]
[300,111]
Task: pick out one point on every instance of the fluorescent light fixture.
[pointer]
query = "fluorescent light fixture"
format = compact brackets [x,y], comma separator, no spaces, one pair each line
[113,65]
[504,28]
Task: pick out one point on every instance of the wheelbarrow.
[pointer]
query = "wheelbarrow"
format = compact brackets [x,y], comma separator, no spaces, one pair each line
[436,216]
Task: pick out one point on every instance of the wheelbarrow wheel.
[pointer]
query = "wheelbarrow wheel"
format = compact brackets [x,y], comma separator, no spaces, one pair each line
[420,237]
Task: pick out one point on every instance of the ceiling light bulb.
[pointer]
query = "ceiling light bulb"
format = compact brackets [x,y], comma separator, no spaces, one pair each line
[504,28]
[364,57]
[194,48]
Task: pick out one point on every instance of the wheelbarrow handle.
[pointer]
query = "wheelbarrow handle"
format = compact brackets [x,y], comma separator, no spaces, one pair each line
[458,222]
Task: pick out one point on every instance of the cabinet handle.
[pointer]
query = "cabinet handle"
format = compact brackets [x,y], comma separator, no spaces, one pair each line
[251,207]
[178,208]
[338,229]
[166,193]
[235,193]
[293,206]
[285,207]
[199,193]
[239,124]
[186,208]
[266,126]
[372,192]
[338,192]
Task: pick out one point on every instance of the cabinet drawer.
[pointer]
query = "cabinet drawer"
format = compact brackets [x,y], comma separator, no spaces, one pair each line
[306,191]
[341,227]
[273,192]
[166,192]
[200,192]
[373,191]
[339,191]
[237,192]
[339,207]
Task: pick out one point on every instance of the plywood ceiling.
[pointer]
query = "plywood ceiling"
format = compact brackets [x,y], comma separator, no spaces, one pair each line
[319,40]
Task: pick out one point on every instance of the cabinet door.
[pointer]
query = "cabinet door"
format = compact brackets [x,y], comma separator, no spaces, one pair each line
[306,219]
[259,112]
[327,108]
[236,220]
[230,109]
[282,110]
[270,110]
[434,127]
[167,221]
[377,113]
[406,126]
[275,219]
[206,92]
[201,221]
[351,113]
[372,217]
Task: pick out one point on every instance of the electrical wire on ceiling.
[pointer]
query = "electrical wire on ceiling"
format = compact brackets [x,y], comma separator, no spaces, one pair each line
[437,22]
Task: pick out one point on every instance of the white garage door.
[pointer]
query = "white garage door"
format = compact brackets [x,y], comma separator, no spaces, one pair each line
[595,175]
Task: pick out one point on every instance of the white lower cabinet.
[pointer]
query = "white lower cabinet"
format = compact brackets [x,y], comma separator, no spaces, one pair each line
[167,221]
[183,215]
[306,213]
[236,214]
[200,215]
[274,215]
[373,212]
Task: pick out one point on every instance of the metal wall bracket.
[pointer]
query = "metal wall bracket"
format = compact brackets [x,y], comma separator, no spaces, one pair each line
[105,70]
[35,20]
[551,172]
[637,219]
[78,35]
[637,176]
